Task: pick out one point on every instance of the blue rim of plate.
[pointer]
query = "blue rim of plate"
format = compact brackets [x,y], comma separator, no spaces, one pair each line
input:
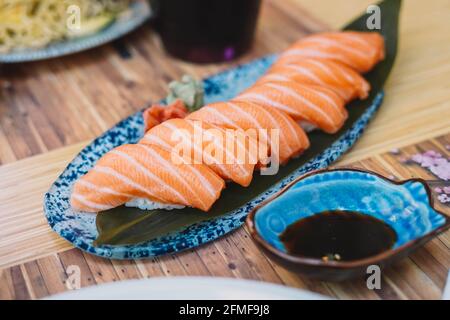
[137,13]
[80,228]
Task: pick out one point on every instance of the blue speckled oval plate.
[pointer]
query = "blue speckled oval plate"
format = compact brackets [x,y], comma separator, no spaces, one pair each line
[135,16]
[80,228]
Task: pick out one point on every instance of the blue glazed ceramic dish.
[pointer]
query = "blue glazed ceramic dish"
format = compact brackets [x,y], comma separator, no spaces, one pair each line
[406,206]
[138,13]
[80,228]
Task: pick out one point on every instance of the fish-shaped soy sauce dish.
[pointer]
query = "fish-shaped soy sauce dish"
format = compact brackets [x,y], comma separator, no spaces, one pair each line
[334,224]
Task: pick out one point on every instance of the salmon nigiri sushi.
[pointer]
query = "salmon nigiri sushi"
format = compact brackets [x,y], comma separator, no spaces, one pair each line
[146,177]
[226,153]
[311,105]
[346,82]
[360,51]
[246,115]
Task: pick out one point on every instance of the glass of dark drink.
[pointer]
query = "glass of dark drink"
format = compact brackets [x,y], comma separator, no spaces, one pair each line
[206,31]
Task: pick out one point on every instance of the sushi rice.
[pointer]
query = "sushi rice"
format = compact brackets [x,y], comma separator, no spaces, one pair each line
[145,204]
[307,126]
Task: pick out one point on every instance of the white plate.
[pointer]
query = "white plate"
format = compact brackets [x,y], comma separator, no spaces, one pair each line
[188,288]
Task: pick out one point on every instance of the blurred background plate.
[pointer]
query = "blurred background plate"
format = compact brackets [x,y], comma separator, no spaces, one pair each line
[189,288]
[138,13]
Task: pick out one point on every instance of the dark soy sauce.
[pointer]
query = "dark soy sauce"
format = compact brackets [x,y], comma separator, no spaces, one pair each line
[338,236]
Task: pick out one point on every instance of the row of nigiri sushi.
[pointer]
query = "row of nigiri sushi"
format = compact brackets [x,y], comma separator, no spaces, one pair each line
[308,86]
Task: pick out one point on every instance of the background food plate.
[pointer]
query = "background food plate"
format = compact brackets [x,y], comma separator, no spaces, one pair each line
[135,16]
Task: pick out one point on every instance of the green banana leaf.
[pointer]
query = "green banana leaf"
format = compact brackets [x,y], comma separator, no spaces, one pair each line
[122,226]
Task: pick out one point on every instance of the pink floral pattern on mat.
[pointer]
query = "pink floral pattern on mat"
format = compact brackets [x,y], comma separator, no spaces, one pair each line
[439,165]
[443,194]
[435,162]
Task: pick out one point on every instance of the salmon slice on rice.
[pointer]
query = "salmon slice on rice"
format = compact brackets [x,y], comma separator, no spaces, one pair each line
[135,172]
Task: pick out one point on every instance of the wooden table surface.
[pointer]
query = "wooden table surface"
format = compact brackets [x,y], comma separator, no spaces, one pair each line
[49,110]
